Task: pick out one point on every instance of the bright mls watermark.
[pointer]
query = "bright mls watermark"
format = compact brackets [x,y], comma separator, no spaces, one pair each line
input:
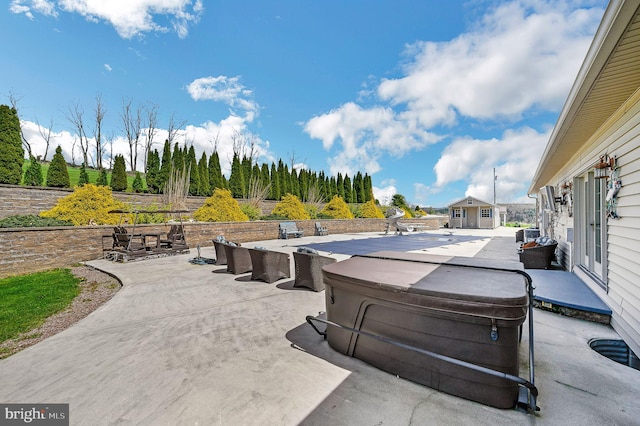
[35,414]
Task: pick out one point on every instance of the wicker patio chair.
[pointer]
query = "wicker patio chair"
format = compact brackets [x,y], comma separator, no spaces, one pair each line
[538,257]
[269,266]
[308,266]
[238,259]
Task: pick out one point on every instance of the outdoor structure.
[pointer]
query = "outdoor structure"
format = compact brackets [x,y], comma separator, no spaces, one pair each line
[471,212]
[587,182]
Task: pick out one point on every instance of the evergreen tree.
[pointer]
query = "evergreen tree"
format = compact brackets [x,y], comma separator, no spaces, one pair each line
[295,184]
[137,183]
[177,159]
[340,186]
[303,180]
[236,180]
[102,178]
[33,175]
[11,151]
[83,179]
[215,172]
[165,167]
[58,175]
[119,174]
[203,173]
[368,188]
[348,195]
[153,172]
[275,183]
[194,173]
[358,188]
[265,179]
[246,174]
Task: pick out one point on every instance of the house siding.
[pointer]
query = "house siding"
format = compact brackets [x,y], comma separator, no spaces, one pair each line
[622,140]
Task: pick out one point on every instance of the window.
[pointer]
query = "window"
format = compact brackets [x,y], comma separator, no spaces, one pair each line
[485,212]
[469,201]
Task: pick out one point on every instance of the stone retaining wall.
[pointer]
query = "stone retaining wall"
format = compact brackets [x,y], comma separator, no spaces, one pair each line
[21,200]
[24,250]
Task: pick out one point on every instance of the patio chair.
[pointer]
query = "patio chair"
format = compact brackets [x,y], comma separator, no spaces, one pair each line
[321,230]
[538,254]
[308,266]
[175,240]
[269,266]
[221,254]
[238,258]
[124,241]
[519,235]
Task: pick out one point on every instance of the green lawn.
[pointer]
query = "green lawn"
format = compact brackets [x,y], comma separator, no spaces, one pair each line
[74,175]
[26,301]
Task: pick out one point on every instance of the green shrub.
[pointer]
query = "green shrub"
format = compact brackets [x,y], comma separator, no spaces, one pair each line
[84,177]
[337,209]
[31,221]
[220,207]
[272,216]
[119,174]
[11,151]
[290,207]
[252,212]
[152,216]
[58,175]
[371,210]
[33,174]
[137,183]
[86,203]
[102,178]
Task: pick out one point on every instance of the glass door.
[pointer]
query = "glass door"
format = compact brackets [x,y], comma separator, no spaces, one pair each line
[592,225]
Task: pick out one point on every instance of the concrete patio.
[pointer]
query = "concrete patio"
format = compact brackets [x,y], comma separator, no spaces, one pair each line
[184,344]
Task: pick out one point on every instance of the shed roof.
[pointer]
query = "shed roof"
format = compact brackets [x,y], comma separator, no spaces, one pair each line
[479,202]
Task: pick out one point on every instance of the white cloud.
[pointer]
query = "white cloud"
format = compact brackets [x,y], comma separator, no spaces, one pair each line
[129,17]
[44,7]
[224,89]
[523,55]
[108,67]
[365,135]
[515,158]
[519,60]
[384,194]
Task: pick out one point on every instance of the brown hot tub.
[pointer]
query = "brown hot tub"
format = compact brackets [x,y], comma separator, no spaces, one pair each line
[463,309]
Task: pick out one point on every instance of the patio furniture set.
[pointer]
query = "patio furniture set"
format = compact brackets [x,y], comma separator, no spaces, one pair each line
[270,266]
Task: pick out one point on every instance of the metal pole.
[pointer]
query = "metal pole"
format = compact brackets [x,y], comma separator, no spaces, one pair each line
[494,186]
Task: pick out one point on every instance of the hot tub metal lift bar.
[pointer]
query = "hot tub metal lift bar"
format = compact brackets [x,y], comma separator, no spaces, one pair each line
[526,400]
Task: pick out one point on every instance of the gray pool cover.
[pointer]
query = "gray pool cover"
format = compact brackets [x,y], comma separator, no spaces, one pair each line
[402,243]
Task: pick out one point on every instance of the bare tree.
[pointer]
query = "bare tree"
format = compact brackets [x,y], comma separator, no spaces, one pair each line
[99,111]
[46,135]
[110,139]
[132,127]
[151,123]
[173,128]
[73,151]
[75,115]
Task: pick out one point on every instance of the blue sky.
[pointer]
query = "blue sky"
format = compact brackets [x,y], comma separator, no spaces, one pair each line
[427,97]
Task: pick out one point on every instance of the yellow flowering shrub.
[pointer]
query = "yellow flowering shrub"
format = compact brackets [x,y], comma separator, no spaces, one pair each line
[220,207]
[292,208]
[88,204]
[370,210]
[337,209]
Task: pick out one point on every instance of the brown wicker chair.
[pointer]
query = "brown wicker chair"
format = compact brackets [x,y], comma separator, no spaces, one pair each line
[538,257]
[269,266]
[309,269]
[238,259]
[221,254]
